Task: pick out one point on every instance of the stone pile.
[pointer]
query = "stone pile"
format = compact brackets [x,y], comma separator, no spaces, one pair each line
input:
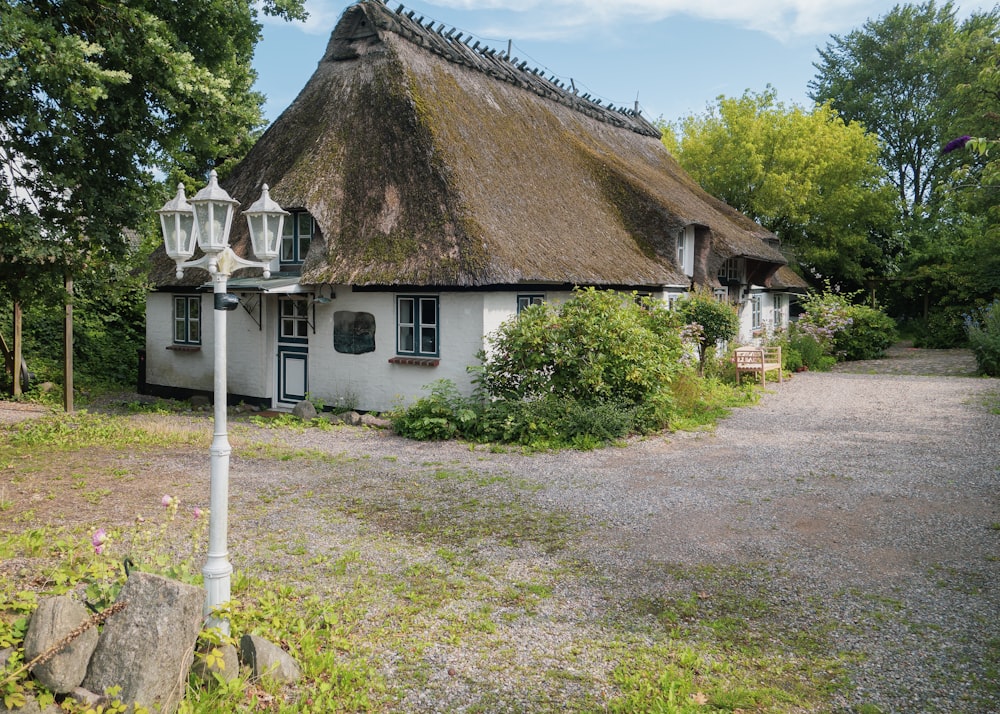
[144,653]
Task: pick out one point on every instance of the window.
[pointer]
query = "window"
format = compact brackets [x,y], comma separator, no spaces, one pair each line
[672,299]
[293,323]
[731,271]
[525,301]
[685,250]
[755,312]
[777,310]
[296,235]
[417,320]
[187,320]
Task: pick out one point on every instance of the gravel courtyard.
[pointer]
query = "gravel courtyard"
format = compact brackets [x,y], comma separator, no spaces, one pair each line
[870,494]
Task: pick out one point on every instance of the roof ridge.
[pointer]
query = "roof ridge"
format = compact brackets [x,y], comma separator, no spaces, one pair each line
[449,44]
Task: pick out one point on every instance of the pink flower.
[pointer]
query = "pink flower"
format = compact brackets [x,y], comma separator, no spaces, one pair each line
[196,512]
[167,501]
[98,540]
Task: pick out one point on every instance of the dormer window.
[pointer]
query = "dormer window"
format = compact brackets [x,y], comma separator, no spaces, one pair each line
[731,271]
[295,238]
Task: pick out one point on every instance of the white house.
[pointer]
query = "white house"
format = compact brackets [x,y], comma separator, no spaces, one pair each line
[435,188]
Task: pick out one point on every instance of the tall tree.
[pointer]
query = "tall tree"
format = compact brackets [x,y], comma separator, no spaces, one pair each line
[919,78]
[807,176]
[99,96]
[896,76]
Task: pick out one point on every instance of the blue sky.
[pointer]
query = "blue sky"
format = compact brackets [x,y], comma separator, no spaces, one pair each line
[672,56]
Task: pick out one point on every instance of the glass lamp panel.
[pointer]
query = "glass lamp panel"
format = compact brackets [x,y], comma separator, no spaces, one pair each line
[178,234]
[266,220]
[213,215]
[177,225]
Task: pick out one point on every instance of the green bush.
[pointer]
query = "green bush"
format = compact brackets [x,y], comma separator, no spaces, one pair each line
[555,422]
[943,329]
[811,352]
[444,414]
[984,339]
[599,347]
[867,336]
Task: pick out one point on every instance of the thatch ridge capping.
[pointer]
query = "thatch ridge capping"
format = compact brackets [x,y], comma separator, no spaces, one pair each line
[453,45]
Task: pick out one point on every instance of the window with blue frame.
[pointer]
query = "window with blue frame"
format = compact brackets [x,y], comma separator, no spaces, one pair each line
[526,301]
[296,236]
[417,326]
[187,319]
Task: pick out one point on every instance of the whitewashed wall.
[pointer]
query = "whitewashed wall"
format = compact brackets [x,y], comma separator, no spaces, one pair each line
[366,381]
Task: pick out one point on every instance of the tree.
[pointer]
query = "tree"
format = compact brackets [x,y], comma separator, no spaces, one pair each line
[922,81]
[808,176]
[717,321]
[887,76]
[100,96]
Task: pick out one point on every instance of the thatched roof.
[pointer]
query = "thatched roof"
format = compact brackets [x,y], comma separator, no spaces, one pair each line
[429,161]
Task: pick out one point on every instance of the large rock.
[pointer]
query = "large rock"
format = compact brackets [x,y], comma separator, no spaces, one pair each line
[266,659]
[304,410]
[147,649]
[51,622]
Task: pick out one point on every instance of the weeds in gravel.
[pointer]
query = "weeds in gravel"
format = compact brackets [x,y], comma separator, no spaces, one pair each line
[413,609]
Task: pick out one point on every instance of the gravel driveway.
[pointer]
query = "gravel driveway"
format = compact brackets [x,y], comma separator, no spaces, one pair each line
[871,494]
[863,502]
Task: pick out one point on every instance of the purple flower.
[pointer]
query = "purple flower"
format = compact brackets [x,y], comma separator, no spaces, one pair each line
[956,144]
[98,540]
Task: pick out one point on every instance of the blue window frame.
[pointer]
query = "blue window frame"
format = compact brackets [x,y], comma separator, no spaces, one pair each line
[526,301]
[417,326]
[296,237]
[187,319]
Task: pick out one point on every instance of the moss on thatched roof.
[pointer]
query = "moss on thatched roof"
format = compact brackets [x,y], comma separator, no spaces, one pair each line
[426,160]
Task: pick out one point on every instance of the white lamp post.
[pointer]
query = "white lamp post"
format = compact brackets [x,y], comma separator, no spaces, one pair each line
[207,220]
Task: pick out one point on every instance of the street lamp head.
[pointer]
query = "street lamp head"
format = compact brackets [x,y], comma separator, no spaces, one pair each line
[177,224]
[213,216]
[266,219]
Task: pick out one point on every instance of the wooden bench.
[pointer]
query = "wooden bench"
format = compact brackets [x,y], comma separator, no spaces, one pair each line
[758,360]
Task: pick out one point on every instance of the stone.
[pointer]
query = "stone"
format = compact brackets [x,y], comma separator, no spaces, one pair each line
[88,698]
[304,410]
[200,401]
[147,649]
[375,422]
[351,418]
[51,622]
[228,672]
[266,659]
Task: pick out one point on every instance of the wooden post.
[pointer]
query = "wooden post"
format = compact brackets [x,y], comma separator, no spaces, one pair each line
[16,388]
[68,347]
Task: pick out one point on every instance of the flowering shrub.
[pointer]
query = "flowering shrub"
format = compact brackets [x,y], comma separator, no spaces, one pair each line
[826,314]
[843,329]
[984,339]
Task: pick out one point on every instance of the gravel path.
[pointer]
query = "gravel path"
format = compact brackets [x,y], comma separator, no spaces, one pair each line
[863,502]
[871,495]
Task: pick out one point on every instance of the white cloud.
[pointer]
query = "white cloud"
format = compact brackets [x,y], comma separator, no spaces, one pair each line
[566,19]
[783,19]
